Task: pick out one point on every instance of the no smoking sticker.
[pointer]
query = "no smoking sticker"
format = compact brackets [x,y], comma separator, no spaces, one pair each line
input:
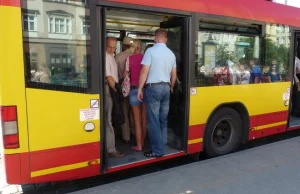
[94,103]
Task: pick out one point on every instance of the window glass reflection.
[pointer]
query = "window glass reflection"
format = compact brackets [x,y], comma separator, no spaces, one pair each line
[56,37]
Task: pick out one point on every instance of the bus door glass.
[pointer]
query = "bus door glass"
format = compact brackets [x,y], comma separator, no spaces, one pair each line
[62,91]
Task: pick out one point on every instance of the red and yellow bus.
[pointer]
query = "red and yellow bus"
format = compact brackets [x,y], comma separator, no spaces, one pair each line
[52,56]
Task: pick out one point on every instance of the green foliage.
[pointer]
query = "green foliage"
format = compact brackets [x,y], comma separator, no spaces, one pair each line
[279,53]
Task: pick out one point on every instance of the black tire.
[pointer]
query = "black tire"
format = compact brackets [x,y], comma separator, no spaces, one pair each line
[223,132]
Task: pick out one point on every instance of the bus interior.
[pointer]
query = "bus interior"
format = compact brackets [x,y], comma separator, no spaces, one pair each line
[142,25]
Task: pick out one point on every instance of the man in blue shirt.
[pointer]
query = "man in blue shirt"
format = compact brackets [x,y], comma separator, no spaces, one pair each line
[256,72]
[159,73]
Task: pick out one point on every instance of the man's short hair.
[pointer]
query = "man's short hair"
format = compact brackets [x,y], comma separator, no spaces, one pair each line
[161,32]
[110,38]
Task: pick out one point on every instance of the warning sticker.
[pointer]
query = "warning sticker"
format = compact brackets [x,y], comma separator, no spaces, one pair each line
[94,104]
[89,114]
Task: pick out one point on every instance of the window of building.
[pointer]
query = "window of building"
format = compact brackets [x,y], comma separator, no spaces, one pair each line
[60,25]
[29,22]
[225,58]
[86,27]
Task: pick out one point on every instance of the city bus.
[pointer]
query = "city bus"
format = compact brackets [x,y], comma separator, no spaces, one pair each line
[236,79]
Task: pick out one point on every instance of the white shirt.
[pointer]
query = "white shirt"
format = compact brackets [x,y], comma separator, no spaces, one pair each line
[111,67]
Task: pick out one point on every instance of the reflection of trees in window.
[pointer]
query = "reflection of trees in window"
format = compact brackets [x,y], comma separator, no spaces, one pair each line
[278,47]
[278,53]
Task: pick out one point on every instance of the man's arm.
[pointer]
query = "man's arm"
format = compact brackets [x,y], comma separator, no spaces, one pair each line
[111,82]
[173,78]
[143,75]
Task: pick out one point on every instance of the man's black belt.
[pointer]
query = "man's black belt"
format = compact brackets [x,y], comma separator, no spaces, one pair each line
[158,83]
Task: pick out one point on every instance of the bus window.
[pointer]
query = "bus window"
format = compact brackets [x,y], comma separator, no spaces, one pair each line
[277,53]
[57,47]
[226,58]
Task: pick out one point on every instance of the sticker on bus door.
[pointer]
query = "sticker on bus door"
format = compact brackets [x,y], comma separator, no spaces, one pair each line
[89,114]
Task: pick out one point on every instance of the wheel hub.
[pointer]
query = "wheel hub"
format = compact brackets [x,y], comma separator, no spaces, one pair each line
[222,133]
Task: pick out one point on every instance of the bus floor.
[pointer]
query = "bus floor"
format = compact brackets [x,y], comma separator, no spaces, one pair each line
[132,156]
[294,121]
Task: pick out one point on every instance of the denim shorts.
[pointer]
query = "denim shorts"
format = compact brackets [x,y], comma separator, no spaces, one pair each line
[133,101]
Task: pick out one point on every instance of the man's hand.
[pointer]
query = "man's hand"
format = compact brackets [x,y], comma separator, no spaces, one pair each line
[140,95]
[172,90]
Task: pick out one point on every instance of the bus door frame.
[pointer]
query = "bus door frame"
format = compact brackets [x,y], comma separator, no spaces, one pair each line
[98,33]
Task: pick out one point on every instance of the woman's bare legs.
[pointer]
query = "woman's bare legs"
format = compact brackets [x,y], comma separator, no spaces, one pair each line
[137,114]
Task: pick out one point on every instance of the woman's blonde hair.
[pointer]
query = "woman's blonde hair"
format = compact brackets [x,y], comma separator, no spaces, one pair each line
[135,44]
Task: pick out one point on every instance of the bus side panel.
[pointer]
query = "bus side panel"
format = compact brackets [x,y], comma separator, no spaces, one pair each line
[60,148]
[12,88]
[264,103]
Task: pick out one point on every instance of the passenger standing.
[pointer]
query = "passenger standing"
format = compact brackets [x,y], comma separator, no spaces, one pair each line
[159,69]
[133,68]
[274,75]
[256,71]
[111,77]
[121,60]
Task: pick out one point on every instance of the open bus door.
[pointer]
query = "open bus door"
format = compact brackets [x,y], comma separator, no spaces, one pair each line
[178,42]
[294,119]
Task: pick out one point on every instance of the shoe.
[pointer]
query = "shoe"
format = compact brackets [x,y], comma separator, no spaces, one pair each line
[116,154]
[126,141]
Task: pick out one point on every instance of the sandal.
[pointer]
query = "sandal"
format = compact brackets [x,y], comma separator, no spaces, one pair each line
[135,148]
[150,154]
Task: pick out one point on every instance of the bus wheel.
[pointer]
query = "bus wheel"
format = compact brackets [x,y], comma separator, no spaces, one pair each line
[223,132]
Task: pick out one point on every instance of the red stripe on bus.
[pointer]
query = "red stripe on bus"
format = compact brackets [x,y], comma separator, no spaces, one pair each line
[267,132]
[196,131]
[69,175]
[17,168]
[268,118]
[195,148]
[13,168]
[144,162]
[14,3]
[56,157]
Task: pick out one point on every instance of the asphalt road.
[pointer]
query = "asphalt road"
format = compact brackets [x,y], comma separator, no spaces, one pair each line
[270,168]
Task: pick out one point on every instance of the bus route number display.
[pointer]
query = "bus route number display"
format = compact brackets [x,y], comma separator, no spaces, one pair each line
[89,114]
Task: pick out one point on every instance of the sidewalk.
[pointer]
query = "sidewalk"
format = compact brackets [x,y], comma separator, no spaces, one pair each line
[267,169]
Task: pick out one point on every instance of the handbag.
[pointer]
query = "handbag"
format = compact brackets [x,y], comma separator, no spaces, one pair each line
[126,81]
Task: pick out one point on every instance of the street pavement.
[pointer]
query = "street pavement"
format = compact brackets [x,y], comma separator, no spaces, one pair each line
[268,169]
